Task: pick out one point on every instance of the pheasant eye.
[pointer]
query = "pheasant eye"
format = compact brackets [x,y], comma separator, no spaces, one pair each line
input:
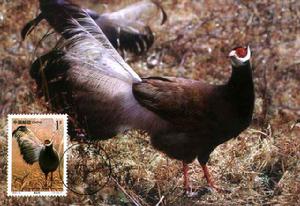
[241,52]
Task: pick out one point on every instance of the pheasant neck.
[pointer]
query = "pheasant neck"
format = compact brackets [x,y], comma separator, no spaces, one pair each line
[241,90]
[49,148]
[241,77]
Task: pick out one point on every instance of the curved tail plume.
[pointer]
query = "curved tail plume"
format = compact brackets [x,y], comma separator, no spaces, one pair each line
[127,29]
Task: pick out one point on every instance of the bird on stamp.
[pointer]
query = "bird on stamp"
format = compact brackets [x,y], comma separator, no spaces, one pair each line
[33,150]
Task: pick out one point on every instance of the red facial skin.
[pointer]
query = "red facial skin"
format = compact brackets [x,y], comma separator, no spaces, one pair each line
[47,141]
[241,52]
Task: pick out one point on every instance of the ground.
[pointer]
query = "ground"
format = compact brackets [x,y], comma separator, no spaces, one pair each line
[260,167]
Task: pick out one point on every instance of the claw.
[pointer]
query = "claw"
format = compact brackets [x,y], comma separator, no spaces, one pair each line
[191,193]
[211,186]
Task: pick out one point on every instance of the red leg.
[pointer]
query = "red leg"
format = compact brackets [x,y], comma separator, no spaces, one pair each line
[208,178]
[46,176]
[186,177]
[51,178]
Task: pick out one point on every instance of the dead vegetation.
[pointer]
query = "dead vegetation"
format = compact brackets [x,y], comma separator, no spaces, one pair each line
[260,167]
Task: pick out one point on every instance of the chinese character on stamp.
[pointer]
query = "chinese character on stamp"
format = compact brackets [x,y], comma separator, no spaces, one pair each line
[36,164]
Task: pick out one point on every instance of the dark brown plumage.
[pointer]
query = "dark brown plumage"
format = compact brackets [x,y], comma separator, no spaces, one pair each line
[127,29]
[185,118]
[202,116]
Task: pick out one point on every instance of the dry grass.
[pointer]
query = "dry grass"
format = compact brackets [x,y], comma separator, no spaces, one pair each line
[260,167]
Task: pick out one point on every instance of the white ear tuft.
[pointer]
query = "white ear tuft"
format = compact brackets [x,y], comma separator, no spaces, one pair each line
[239,61]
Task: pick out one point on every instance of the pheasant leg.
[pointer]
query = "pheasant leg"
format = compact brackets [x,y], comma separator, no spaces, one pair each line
[208,178]
[46,176]
[51,179]
[187,187]
[186,177]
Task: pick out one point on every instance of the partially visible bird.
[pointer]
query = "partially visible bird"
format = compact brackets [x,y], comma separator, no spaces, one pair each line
[33,150]
[127,29]
[186,119]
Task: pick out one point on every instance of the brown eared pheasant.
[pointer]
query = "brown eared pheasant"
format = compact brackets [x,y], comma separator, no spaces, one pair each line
[186,119]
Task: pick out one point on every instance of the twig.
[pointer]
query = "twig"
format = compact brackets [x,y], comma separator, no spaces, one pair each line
[259,132]
[124,191]
[294,124]
[296,109]
[160,201]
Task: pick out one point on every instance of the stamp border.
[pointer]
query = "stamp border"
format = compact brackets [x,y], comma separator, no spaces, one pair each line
[9,157]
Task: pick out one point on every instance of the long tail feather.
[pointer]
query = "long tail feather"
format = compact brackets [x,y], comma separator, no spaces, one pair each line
[85,41]
[163,12]
[127,29]
[27,29]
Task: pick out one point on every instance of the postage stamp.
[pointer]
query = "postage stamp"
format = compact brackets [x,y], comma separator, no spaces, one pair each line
[36,164]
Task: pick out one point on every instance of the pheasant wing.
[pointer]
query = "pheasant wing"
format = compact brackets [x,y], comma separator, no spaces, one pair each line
[175,99]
